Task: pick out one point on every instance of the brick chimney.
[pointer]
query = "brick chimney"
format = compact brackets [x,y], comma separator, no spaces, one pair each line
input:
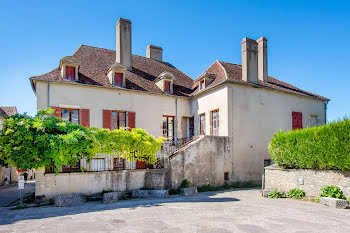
[249,60]
[123,42]
[154,52]
[262,59]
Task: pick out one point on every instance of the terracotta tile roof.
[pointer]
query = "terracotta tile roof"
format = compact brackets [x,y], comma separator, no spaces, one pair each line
[8,110]
[94,62]
[234,73]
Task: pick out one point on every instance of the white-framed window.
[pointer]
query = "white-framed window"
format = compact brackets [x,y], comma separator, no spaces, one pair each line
[98,164]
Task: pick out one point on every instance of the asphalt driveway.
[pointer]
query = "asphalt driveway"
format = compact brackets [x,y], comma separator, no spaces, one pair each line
[10,193]
[229,211]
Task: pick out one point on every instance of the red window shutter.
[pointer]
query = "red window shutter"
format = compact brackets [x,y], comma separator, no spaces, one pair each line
[107,119]
[167,86]
[132,119]
[85,117]
[57,112]
[70,72]
[118,79]
[140,164]
[297,120]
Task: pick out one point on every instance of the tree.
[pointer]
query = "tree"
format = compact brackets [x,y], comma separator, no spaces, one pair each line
[36,142]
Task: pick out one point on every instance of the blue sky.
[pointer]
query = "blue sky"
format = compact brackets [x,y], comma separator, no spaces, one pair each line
[308,41]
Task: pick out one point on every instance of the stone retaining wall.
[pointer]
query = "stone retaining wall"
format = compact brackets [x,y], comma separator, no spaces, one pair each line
[49,185]
[306,179]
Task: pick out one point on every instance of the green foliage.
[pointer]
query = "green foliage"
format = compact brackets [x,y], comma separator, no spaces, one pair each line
[275,194]
[35,142]
[226,185]
[348,199]
[106,191]
[208,187]
[185,184]
[321,147]
[296,193]
[174,191]
[332,191]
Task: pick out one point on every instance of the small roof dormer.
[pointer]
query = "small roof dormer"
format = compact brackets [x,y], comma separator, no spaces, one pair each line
[116,74]
[205,80]
[165,82]
[69,67]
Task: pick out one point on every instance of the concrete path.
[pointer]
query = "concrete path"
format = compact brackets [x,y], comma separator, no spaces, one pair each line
[230,211]
[11,193]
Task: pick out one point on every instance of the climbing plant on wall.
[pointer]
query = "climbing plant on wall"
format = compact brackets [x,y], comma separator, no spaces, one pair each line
[34,142]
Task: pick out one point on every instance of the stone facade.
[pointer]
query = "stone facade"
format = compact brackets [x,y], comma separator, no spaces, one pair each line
[308,180]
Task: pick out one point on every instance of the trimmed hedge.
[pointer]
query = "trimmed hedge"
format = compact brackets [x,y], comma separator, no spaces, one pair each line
[324,147]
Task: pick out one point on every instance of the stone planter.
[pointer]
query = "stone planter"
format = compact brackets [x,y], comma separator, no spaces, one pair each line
[334,202]
[111,197]
[188,191]
[149,194]
[69,199]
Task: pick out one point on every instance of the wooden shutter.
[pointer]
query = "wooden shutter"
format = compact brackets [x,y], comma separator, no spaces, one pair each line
[107,119]
[132,119]
[167,86]
[85,117]
[118,79]
[57,112]
[70,72]
[297,120]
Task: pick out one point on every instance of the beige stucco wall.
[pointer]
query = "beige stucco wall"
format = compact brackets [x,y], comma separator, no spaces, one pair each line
[256,115]
[50,185]
[203,161]
[216,99]
[149,108]
[306,179]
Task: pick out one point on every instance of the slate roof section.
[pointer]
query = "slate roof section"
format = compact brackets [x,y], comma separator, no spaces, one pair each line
[8,110]
[94,62]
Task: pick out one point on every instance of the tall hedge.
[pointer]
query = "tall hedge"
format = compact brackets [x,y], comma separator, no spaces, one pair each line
[322,147]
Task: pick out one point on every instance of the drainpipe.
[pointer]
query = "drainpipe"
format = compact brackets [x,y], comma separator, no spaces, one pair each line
[325,112]
[48,94]
[175,128]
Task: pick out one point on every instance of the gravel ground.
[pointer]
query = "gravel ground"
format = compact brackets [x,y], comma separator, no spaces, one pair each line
[229,211]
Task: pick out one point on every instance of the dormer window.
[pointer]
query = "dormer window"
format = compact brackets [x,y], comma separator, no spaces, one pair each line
[116,75]
[69,68]
[202,84]
[165,82]
[118,79]
[205,80]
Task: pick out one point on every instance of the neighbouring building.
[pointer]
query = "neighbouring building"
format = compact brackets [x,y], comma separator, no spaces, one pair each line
[240,105]
[7,171]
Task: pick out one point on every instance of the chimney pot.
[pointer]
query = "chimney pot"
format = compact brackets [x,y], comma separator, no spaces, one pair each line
[154,52]
[123,42]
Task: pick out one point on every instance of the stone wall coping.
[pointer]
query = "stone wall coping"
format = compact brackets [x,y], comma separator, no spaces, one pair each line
[99,172]
[276,167]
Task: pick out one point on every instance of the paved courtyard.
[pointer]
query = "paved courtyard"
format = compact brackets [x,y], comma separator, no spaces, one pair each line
[230,211]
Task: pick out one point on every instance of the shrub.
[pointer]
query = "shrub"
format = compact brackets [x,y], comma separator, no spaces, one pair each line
[296,193]
[275,194]
[106,191]
[321,147]
[332,191]
[235,185]
[226,185]
[174,191]
[185,184]
[208,187]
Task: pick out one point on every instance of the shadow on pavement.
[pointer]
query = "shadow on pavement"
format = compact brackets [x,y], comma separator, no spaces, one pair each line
[11,216]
